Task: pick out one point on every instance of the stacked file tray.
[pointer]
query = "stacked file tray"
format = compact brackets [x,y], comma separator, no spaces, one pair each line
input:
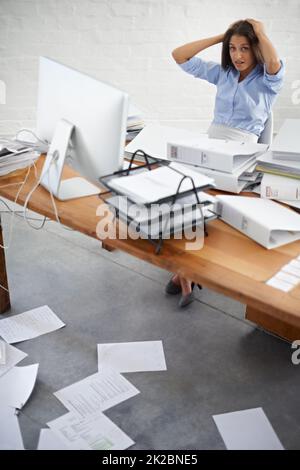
[160,199]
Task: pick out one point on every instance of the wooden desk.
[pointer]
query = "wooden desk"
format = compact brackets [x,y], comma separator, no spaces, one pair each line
[229,263]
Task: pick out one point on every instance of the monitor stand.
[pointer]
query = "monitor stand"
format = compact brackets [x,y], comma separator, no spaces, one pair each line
[52,170]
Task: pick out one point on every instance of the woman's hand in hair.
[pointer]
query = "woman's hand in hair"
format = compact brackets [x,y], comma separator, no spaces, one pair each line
[258,26]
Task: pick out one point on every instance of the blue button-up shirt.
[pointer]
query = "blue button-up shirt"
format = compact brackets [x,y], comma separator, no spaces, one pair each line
[243,105]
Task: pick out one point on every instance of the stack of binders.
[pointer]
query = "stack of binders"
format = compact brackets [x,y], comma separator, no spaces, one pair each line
[281,166]
[14,156]
[286,145]
[231,164]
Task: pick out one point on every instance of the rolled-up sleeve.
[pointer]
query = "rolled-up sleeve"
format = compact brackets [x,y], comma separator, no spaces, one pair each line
[199,68]
[274,82]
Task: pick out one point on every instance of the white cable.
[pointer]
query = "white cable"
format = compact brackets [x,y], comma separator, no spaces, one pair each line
[31,193]
[47,173]
[5,247]
[44,142]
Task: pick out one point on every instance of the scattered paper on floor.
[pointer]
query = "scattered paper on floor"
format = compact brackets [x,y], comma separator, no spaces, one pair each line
[10,433]
[17,384]
[49,441]
[95,432]
[247,430]
[98,392]
[132,357]
[28,325]
[12,357]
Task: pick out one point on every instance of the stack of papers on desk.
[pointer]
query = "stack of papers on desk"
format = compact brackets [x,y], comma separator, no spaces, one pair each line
[215,154]
[286,145]
[268,223]
[135,122]
[235,182]
[266,163]
[156,220]
[151,186]
[153,140]
[14,156]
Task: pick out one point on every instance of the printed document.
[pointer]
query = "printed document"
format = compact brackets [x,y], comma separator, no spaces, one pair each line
[10,433]
[29,324]
[98,392]
[247,430]
[49,441]
[153,140]
[11,357]
[17,384]
[132,357]
[95,432]
[150,186]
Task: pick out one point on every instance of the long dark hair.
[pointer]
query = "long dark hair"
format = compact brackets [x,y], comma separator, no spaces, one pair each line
[240,28]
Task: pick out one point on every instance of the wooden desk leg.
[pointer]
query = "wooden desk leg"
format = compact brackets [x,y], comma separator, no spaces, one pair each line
[107,247]
[273,325]
[4,295]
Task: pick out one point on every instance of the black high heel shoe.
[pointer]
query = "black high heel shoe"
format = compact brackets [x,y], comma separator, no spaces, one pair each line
[172,288]
[185,300]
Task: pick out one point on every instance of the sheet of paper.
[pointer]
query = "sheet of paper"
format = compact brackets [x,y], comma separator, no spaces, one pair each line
[279,284]
[95,432]
[29,324]
[283,276]
[17,384]
[49,441]
[132,357]
[247,430]
[2,352]
[98,392]
[295,263]
[288,268]
[12,357]
[153,139]
[10,434]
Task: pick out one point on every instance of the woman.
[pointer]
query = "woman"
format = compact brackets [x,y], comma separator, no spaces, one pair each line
[248,81]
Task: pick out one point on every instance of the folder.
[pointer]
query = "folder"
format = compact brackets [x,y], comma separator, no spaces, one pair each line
[268,164]
[216,154]
[232,182]
[153,140]
[286,145]
[158,184]
[266,222]
[280,187]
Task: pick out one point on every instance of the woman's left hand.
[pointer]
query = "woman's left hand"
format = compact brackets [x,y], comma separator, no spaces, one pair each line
[258,26]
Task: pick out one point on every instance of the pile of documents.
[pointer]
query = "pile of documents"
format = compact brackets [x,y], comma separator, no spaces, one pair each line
[231,164]
[135,122]
[160,202]
[156,185]
[286,145]
[14,156]
[164,219]
[281,166]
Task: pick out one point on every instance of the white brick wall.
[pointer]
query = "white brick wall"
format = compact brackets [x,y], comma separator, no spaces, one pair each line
[128,43]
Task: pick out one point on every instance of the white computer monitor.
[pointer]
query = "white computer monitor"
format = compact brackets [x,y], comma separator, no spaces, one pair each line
[98,112]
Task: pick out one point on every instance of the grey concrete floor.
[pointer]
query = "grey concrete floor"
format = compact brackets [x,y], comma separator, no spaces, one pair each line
[217,362]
